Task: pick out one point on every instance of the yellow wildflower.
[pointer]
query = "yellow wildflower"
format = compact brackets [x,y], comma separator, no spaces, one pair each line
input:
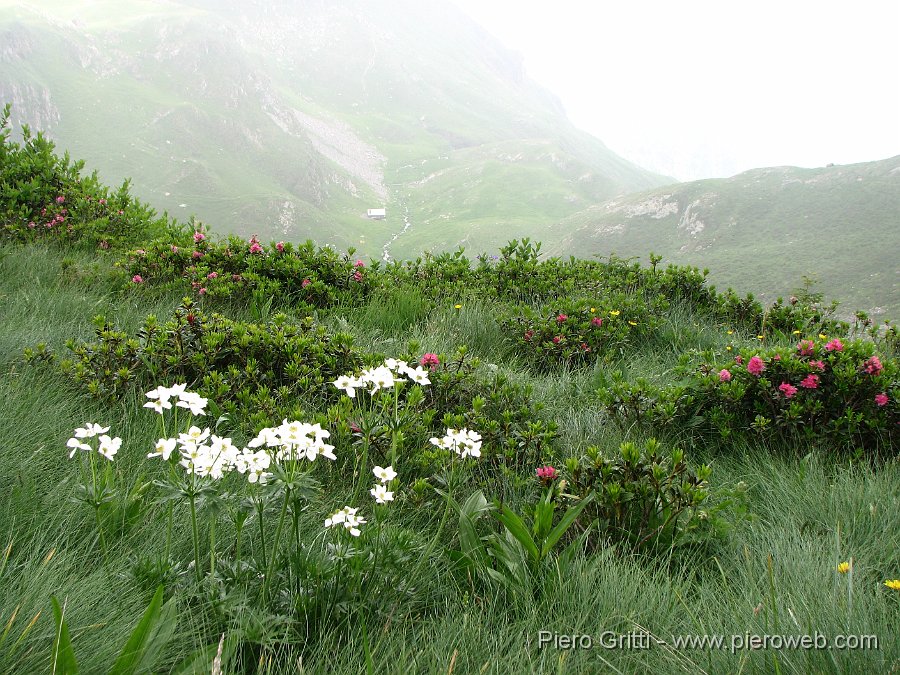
[632,323]
[731,332]
[893,584]
[457,306]
[823,337]
[614,312]
[593,309]
[843,567]
[796,332]
[760,337]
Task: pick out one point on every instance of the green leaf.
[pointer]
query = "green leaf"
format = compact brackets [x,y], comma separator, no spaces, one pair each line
[565,523]
[517,529]
[148,638]
[63,657]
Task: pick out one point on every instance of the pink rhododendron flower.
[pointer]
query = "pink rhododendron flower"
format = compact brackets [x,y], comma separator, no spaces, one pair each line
[755,366]
[787,389]
[359,263]
[557,339]
[835,345]
[305,283]
[873,366]
[881,399]
[429,360]
[739,359]
[255,247]
[202,290]
[101,201]
[596,321]
[357,276]
[528,335]
[279,247]
[546,473]
[60,199]
[724,375]
[174,248]
[32,225]
[584,347]
[806,347]
[196,254]
[199,236]
[212,275]
[818,364]
[561,318]
[810,382]
[138,279]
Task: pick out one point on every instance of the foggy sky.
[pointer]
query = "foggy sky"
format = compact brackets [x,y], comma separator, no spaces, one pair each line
[710,88]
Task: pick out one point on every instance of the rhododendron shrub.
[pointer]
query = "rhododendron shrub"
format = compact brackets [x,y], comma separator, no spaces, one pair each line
[234,269]
[821,388]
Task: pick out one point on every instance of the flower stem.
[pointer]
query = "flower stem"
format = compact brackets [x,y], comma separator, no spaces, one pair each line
[196,538]
[212,547]
[270,568]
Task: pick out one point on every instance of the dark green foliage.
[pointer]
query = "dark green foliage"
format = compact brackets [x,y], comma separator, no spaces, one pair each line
[254,373]
[44,197]
[831,389]
[278,274]
[647,497]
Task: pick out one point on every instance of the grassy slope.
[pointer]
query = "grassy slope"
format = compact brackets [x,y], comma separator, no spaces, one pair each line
[808,516]
[765,229]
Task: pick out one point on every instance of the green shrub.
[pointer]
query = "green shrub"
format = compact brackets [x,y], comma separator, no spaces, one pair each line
[819,389]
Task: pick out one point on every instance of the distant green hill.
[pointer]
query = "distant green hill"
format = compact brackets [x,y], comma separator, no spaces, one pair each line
[763,230]
[290,120]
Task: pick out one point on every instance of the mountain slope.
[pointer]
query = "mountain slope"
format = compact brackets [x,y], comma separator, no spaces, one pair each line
[291,119]
[763,230]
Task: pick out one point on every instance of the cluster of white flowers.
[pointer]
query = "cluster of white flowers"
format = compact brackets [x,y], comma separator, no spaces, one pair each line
[346,517]
[382,377]
[205,454]
[463,442]
[295,440]
[380,492]
[160,399]
[108,446]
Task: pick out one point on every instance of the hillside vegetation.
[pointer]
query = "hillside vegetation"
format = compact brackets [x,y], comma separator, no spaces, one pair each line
[251,456]
[290,121]
[765,230]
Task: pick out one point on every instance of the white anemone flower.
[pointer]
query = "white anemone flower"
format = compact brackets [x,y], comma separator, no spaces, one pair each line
[463,442]
[396,365]
[161,393]
[163,448]
[90,430]
[348,518]
[193,402]
[381,494]
[385,474]
[380,378]
[109,446]
[348,383]
[159,406]
[76,445]
[193,436]
[418,375]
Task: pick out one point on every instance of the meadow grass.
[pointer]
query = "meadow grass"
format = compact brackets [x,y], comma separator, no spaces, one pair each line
[776,573]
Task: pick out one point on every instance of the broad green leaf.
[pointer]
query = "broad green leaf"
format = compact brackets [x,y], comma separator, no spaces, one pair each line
[62,660]
[517,529]
[132,659]
[565,523]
